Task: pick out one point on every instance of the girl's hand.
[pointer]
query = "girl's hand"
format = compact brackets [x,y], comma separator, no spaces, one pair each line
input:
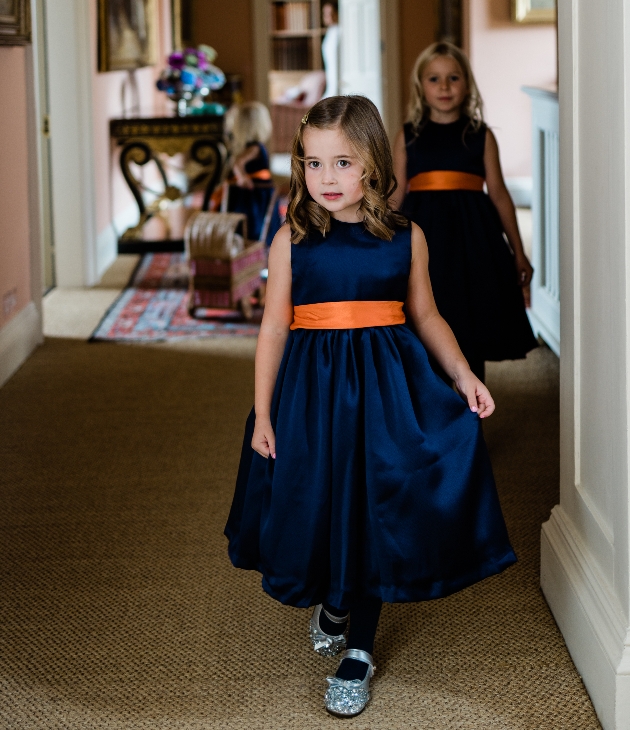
[264,439]
[524,270]
[244,181]
[475,393]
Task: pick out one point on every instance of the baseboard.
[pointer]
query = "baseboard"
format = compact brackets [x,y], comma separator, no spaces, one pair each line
[18,338]
[589,617]
[107,239]
[541,329]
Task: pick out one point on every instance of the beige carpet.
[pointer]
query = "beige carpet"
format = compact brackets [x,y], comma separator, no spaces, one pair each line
[75,313]
[119,608]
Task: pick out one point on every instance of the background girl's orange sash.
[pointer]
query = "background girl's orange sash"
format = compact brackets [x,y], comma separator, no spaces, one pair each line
[347,315]
[446,180]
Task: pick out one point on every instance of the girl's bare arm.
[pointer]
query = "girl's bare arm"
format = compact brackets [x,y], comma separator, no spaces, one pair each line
[436,335]
[243,180]
[400,171]
[500,196]
[274,331]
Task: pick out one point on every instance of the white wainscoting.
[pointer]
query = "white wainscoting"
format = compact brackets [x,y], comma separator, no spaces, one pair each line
[18,338]
[545,309]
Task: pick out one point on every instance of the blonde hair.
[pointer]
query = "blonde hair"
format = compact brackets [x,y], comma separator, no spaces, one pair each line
[246,123]
[359,121]
[419,110]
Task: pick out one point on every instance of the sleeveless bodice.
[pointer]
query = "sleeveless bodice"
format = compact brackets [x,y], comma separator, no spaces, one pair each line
[445,147]
[350,264]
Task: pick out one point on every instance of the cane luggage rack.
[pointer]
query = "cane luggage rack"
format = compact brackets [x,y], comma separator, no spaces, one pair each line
[225,267]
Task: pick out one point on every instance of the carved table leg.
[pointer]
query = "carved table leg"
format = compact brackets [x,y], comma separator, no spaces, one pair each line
[209,152]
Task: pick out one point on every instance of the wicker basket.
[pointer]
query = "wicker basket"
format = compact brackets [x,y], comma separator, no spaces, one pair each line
[224,266]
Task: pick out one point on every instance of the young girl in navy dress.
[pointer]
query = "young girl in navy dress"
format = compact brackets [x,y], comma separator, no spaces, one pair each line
[251,190]
[364,477]
[442,157]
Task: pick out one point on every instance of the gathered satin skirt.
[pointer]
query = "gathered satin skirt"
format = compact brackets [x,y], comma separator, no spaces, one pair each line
[473,273]
[382,485]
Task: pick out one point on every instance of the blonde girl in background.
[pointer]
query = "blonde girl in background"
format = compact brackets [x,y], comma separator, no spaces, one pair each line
[364,478]
[442,157]
[251,189]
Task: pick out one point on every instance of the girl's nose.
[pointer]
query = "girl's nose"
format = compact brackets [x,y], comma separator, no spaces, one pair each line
[329,175]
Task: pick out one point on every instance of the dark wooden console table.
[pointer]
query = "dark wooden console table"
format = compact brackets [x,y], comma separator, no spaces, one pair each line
[142,140]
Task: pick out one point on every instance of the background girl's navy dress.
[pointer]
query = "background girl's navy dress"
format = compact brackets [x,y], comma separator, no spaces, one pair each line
[382,485]
[472,269]
[255,203]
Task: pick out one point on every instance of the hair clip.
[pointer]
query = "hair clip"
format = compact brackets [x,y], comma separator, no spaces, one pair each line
[305,118]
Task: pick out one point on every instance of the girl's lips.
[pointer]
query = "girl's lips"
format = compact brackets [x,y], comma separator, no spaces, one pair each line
[332,196]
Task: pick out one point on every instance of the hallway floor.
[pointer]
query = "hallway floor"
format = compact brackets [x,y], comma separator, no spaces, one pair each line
[120,610]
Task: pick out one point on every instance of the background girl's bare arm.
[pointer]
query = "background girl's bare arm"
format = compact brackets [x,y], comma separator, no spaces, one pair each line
[434,332]
[243,180]
[500,196]
[274,331]
[400,171]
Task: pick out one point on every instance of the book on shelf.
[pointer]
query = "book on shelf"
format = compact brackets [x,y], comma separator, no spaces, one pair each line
[292,16]
[291,54]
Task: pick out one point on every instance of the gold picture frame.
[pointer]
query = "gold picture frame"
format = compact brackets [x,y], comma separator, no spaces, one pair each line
[534,11]
[127,34]
[181,22]
[15,22]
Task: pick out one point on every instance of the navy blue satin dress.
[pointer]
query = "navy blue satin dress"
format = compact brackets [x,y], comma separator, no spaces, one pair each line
[382,485]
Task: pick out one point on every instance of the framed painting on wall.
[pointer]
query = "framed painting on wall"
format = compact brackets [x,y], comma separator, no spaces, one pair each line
[126,34]
[15,22]
[182,24]
[534,11]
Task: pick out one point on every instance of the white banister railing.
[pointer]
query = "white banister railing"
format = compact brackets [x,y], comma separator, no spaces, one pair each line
[545,309]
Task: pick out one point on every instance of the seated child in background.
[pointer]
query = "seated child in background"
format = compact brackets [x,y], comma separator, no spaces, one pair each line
[251,190]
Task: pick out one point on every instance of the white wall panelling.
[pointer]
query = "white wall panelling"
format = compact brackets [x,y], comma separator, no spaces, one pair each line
[545,309]
[70,65]
[585,567]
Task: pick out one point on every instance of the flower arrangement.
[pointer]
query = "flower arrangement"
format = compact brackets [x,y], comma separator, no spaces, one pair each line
[190,74]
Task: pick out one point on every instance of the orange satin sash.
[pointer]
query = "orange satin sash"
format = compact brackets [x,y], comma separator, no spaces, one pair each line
[260,175]
[347,315]
[446,180]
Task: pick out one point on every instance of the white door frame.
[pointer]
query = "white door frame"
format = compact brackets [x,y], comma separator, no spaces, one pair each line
[72,181]
[42,262]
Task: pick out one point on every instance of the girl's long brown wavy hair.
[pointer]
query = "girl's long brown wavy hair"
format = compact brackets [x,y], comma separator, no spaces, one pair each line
[419,110]
[358,119]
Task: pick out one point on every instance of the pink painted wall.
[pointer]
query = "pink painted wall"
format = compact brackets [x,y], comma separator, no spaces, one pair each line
[506,56]
[112,193]
[15,274]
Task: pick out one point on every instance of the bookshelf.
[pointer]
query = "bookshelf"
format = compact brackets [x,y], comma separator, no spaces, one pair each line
[295,36]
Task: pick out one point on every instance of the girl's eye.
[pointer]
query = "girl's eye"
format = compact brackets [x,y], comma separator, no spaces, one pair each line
[454,77]
[313,164]
[433,79]
[343,163]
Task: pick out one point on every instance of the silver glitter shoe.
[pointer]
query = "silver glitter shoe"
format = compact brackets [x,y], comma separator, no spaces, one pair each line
[348,697]
[325,644]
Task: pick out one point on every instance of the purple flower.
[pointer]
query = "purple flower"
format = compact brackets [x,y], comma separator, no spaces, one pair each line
[176,60]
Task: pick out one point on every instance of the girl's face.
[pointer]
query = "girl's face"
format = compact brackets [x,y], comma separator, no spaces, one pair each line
[333,173]
[444,88]
[329,15]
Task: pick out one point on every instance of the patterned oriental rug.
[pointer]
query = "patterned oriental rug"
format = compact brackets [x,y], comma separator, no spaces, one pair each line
[154,307]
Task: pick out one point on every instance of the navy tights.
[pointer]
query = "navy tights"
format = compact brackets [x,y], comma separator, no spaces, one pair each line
[364,616]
